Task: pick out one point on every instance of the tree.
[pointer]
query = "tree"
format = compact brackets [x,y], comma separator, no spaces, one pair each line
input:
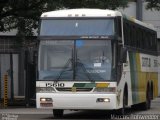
[15,12]
[109,4]
[24,15]
[153,4]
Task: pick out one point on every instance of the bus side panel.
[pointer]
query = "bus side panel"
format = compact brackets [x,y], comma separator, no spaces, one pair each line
[125,80]
[154,78]
[143,71]
[141,81]
[149,66]
[134,76]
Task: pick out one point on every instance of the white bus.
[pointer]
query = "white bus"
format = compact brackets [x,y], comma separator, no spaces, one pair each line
[94,59]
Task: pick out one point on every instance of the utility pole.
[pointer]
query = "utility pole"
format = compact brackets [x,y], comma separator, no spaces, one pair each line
[139,10]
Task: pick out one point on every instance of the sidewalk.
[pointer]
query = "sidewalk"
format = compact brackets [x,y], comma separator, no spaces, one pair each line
[15,110]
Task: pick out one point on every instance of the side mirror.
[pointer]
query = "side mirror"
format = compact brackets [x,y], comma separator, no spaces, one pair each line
[123,55]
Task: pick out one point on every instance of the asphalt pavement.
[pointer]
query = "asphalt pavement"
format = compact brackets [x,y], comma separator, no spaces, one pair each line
[22,113]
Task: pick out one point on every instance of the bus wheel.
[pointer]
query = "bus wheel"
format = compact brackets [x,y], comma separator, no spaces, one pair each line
[147,105]
[58,113]
[122,111]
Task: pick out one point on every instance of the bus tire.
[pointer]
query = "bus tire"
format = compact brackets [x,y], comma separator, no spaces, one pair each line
[122,111]
[147,105]
[152,96]
[57,113]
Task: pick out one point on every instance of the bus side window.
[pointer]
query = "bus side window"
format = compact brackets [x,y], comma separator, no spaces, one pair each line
[155,41]
[119,27]
[125,33]
[129,35]
[144,40]
[134,36]
[137,38]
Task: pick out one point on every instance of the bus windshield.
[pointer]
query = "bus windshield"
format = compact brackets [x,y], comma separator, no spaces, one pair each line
[77,27]
[75,60]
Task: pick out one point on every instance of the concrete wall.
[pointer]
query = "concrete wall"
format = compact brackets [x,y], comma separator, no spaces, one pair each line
[130,10]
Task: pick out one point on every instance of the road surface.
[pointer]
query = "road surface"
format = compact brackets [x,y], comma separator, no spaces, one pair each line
[40,114]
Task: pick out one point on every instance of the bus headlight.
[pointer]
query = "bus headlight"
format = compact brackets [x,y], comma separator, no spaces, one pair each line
[46,100]
[103,100]
[45,89]
[106,89]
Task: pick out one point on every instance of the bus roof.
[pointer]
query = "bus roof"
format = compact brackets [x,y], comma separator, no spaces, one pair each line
[84,12]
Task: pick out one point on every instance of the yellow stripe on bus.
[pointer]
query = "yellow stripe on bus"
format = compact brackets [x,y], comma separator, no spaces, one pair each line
[102,85]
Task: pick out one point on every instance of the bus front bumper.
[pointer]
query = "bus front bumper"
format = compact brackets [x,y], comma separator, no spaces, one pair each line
[74,101]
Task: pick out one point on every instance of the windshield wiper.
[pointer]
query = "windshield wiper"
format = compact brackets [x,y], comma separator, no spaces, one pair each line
[70,60]
[64,69]
[84,69]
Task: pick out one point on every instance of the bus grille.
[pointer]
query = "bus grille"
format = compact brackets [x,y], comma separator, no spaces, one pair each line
[70,89]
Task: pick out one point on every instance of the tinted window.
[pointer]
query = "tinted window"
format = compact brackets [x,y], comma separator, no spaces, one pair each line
[77,27]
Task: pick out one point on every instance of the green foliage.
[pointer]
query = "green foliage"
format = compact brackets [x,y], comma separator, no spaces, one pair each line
[103,4]
[23,15]
[153,4]
[12,12]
